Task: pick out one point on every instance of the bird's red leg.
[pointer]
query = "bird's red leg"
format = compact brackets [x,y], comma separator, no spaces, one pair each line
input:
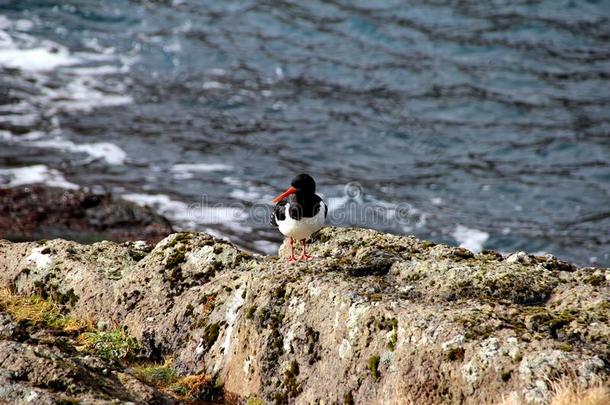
[304,255]
[291,259]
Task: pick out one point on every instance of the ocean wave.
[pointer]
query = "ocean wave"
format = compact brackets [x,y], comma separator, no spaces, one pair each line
[185,170]
[109,152]
[190,215]
[106,151]
[19,176]
[470,238]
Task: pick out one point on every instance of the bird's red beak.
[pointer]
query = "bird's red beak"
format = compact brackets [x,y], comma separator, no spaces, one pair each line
[291,190]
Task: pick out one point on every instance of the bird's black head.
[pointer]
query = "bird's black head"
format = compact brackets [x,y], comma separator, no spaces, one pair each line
[304,187]
[304,184]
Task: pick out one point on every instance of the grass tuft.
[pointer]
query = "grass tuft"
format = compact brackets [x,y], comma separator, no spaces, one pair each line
[39,311]
[198,387]
[114,345]
[159,375]
[566,392]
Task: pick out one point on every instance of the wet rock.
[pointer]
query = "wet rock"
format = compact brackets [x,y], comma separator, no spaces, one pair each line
[373,318]
[38,212]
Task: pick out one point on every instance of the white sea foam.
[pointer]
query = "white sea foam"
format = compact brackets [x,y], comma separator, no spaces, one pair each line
[267,247]
[4,22]
[213,85]
[81,94]
[26,119]
[436,201]
[36,59]
[469,238]
[30,136]
[109,152]
[246,191]
[176,210]
[219,215]
[19,176]
[201,167]
[217,72]
[247,195]
[189,215]
[99,70]
[78,87]
[186,170]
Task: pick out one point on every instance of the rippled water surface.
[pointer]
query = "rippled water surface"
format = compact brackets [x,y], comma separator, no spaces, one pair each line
[478,123]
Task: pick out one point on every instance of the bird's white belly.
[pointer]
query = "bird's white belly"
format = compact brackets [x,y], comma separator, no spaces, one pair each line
[302,228]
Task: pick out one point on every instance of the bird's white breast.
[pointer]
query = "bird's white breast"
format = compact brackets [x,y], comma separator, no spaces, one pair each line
[304,227]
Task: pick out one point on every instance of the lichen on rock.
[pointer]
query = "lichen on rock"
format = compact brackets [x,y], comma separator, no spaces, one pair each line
[374,318]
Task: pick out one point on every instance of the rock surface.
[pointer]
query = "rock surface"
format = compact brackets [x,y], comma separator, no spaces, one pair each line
[38,212]
[375,318]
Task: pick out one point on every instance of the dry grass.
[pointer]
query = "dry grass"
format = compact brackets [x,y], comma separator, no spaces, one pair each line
[159,375]
[567,392]
[40,311]
[197,387]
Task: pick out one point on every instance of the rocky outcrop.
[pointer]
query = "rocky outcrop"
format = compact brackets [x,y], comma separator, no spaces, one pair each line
[375,318]
[37,212]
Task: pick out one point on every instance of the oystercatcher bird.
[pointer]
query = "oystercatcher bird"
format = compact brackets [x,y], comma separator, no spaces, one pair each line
[299,212]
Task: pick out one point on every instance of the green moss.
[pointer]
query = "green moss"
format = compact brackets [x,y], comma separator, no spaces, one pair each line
[394,336]
[348,398]
[68,298]
[254,400]
[376,297]
[179,389]
[180,237]
[456,354]
[211,334]
[292,386]
[461,253]
[175,257]
[556,323]
[414,276]
[250,312]
[595,280]
[137,255]
[114,345]
[373,365]
[564,347]
[279,292]
[264,314]
[476,325]
[218,382]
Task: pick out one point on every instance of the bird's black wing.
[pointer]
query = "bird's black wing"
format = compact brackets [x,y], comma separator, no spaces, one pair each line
[279,212]
[317,202]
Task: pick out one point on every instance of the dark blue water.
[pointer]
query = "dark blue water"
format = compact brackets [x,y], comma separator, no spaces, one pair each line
[478,123]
